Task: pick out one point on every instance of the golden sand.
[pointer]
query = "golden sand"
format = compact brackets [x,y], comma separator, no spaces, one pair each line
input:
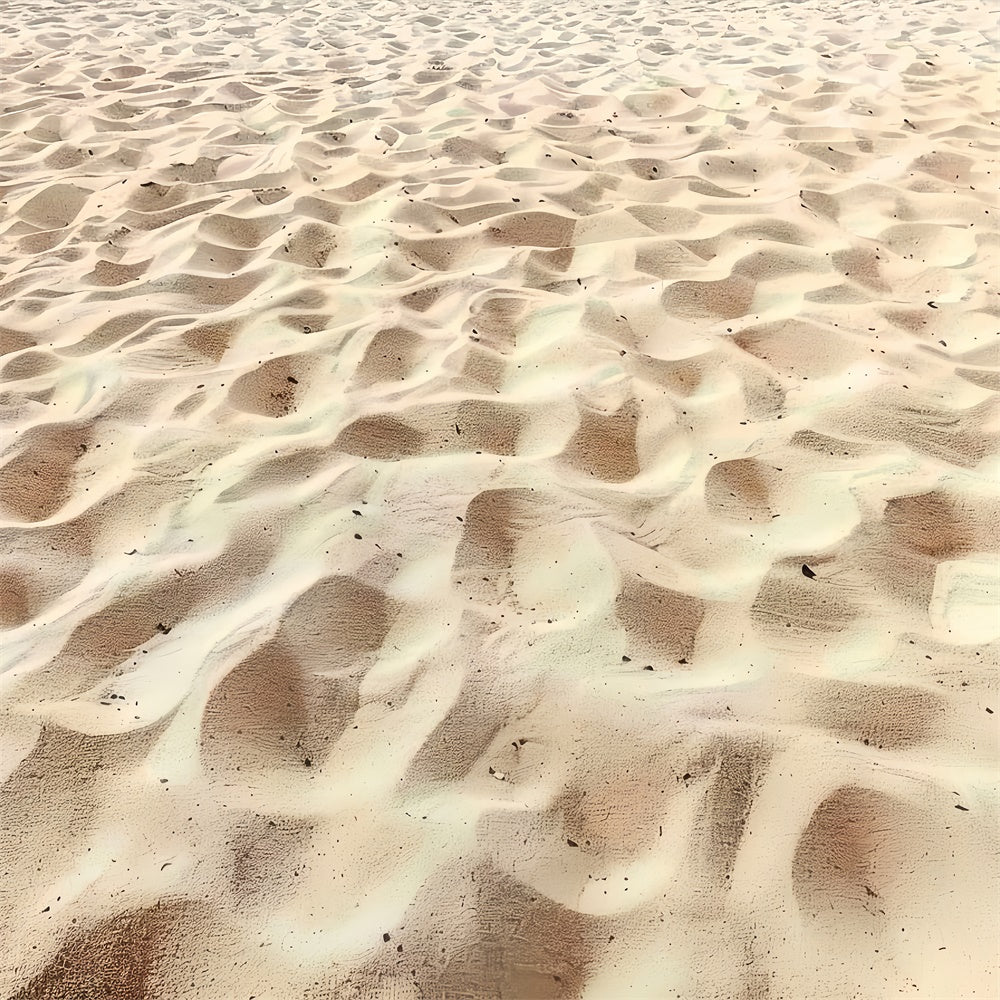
[499,500]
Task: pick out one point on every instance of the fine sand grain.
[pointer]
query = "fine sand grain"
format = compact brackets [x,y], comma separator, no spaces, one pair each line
[499,500]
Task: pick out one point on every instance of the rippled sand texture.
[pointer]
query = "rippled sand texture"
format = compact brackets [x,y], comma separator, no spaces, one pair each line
[499,501]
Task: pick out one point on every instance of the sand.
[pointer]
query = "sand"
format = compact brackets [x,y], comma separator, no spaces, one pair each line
[499,500]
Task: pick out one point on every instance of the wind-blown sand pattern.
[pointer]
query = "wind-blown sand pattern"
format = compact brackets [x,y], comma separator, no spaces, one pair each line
[499,500]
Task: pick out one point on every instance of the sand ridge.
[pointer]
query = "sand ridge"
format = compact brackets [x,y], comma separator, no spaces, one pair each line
[499,500]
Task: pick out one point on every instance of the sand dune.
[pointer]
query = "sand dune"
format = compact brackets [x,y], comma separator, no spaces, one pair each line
[499,500]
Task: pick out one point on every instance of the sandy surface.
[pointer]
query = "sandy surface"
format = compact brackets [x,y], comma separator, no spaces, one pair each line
[499,500]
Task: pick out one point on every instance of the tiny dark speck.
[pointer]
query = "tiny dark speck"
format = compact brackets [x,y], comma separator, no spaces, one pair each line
[962,808]
[385,936]
[358,537]
[626,659]
[572,843]
[294,381]
[989,711]
[807,572]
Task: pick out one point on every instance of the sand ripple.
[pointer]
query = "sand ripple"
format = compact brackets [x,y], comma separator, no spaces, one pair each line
[499,501]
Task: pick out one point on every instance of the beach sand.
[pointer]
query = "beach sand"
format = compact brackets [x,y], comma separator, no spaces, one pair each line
[499,500]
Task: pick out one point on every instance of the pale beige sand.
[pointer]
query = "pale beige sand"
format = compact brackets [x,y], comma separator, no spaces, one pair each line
[418,421]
